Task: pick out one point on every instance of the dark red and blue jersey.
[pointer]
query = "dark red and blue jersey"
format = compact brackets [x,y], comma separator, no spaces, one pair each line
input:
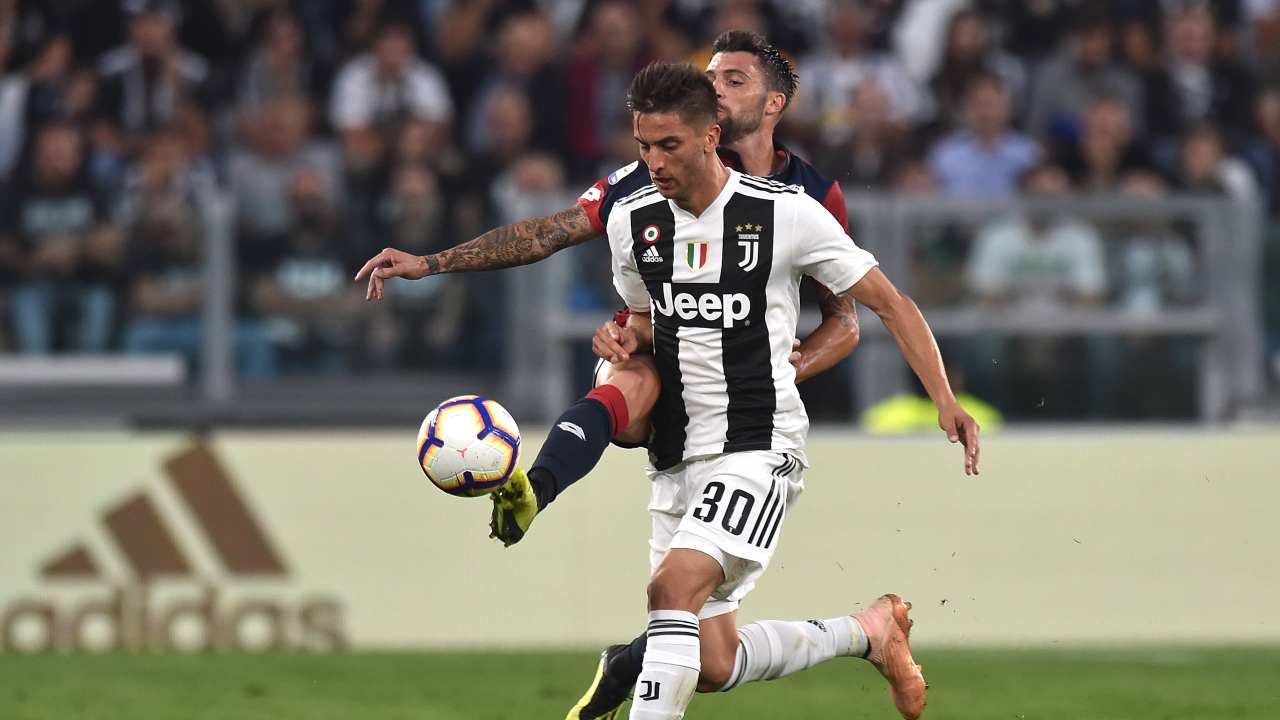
[598,200]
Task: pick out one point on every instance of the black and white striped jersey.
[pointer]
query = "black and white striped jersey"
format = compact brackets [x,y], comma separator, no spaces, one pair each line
[723,288]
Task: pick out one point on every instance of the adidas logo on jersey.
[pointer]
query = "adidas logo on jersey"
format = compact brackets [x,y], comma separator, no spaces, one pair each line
[651,255]
[722,310]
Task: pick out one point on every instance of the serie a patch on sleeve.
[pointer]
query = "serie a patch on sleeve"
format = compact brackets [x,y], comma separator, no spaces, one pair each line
[623,171]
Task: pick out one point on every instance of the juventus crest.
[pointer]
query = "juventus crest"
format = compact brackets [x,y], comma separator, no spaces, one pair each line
[749,242]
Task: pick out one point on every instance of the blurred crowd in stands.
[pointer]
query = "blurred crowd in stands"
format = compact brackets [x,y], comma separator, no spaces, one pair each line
[342,126]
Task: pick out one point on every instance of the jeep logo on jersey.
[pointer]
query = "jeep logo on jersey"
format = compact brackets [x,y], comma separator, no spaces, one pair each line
[698,305]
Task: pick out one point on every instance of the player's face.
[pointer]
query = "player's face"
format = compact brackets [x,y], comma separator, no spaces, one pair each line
[675,150]
[742,92]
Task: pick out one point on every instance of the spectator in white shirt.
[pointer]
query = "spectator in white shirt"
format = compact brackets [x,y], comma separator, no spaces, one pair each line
[1040,264]
[377,92]
[1037,261]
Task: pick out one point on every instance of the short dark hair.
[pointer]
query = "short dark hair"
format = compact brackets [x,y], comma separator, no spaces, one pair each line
[673,87]
[778,73]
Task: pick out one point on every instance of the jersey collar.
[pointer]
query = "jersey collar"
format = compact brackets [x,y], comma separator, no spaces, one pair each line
[726,192]
[733,160]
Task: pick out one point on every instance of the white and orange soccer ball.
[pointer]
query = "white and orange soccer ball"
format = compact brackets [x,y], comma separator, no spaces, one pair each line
[468,445]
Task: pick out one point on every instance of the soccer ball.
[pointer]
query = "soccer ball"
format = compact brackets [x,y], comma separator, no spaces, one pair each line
[468,445]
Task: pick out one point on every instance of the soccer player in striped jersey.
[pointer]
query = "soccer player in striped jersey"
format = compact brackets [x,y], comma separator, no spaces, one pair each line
[755,85]
[709,261]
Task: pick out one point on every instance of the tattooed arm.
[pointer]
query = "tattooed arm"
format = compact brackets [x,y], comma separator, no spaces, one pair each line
[832,340]
[521,243]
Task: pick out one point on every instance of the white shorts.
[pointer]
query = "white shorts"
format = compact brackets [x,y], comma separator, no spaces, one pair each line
[730,507]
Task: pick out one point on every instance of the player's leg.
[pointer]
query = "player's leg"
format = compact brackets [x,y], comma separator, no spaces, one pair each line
[672,656]
[769,649]
[707,554]
[620,666]
[617,409]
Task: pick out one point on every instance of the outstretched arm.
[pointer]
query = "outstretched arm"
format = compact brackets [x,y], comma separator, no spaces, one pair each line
[521,243]
[903,319]
[834,338]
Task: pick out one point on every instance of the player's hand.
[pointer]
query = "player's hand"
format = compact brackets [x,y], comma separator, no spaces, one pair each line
[962,428]
[796,357]
[614,343]
[388,264]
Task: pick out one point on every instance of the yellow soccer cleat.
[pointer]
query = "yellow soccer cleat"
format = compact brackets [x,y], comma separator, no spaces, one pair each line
[604,698]
[514,507]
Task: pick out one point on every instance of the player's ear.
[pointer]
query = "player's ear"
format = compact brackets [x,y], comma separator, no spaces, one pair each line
[712,137]
[775,103]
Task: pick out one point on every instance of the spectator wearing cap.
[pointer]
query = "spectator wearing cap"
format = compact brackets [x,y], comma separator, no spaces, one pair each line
[1082,71]
[146,82]
[987,156]
[377,92]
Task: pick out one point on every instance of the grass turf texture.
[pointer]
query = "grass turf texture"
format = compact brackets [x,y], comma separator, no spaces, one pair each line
[1098,685]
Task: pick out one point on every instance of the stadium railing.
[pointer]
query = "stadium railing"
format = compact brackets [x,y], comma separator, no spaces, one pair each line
[1226,236]
[546,371]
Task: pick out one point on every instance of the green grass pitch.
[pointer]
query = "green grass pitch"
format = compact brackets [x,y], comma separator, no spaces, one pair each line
[1203,684]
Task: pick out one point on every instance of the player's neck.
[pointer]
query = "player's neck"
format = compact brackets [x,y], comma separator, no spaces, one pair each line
[707,190]
[757,153]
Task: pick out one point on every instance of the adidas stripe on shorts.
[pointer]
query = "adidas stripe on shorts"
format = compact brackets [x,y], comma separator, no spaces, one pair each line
[731,507]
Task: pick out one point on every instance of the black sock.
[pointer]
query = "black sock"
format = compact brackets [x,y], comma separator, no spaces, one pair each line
[625,666]
[577,440]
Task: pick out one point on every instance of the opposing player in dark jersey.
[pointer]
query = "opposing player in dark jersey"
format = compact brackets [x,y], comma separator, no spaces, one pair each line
[754,85]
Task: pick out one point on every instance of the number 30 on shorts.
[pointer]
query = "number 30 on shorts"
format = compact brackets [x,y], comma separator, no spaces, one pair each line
[735,513]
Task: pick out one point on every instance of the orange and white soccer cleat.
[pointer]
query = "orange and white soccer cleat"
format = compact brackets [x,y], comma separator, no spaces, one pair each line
[888,627]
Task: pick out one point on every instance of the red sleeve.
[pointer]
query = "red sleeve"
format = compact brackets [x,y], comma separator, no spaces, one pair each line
[834,203]
[591,201]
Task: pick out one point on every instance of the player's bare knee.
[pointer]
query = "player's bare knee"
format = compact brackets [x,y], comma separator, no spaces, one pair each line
[666,593]
[716,670]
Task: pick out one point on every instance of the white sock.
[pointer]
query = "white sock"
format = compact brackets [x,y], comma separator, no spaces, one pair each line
[669,674]
[770,649]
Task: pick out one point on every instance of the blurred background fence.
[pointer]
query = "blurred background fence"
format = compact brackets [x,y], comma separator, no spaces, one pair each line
[1155,315]
[1083,196]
